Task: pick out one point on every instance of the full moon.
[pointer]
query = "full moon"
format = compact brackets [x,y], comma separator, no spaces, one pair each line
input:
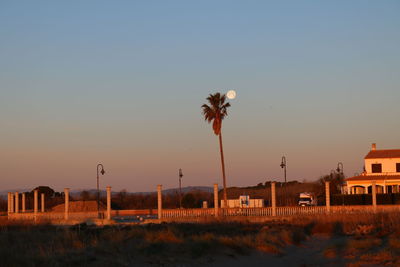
[231,94]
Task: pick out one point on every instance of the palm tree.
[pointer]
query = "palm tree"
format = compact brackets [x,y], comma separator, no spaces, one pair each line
[216,112]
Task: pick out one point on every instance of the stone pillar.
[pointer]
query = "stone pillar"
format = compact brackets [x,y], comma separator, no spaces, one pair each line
[108,202]
[159,202]
[374,195]
[66,203]
[12,202]
[9,202]
[42,202]
[273,198]
[216,200]
[35,202]
[23,202]
[16,202]
[327,197]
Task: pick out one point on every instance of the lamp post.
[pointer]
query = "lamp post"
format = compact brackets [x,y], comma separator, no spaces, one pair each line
[98,191]
[180,187]
[339,169]
[283,166]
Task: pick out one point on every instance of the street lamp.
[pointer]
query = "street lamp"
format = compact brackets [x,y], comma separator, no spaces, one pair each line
[339,169]
[98,191]
[283,166]
[180,188]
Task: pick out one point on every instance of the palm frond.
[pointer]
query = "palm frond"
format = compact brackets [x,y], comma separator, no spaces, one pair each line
[216,111]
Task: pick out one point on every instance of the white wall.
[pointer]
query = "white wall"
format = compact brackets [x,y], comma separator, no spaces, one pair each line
[388,165]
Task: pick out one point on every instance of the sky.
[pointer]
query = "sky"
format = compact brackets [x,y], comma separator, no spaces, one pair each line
[121,83]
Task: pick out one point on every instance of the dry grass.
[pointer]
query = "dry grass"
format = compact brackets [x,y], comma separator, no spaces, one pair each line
[359,239]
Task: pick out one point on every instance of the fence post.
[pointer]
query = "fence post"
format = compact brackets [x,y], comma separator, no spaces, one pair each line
[159,202]
[9,202]
[23,202]
[374,195]
[327,197]
[108,202]
[273,198]
[35,202]
[216,200]
[16,202]
[42,202]
[12,202]
[66,203]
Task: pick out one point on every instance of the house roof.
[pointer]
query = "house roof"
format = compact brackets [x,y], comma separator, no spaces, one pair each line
[373,177]
[385,153]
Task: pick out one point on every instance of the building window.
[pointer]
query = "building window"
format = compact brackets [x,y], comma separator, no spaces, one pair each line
[397,167]
[376,168]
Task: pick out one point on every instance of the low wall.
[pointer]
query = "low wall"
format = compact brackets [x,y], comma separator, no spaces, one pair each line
[53,216]
[133,212]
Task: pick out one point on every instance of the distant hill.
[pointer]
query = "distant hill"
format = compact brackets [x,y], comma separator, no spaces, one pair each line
[187,189]
[4,193]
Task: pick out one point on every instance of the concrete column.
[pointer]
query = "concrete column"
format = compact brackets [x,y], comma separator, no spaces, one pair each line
[205,205]
[327,197]
[66,203]
[348,190]
[159,202]
[273,198]
[16,202]
[374,195]
[216,200]
[42,202]
[12,202]
[108,202]
[9,202]
[23,202]
[35,202]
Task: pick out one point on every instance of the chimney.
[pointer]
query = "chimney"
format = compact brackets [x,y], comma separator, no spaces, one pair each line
[373,147]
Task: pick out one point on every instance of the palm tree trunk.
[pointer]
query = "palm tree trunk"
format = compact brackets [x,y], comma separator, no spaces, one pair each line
[223,168]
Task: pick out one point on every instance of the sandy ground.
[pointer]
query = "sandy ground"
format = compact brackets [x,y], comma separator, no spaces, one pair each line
[309,253]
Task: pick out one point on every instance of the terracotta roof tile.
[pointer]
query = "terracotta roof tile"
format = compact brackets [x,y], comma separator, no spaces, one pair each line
[385,153]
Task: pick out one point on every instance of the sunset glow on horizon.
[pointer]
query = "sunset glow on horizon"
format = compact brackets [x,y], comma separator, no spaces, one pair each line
[83,83]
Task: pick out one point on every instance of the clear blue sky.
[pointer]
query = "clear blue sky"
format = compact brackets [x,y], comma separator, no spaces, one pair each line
[122,82]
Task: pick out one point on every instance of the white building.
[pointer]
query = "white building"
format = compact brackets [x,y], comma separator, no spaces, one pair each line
[381,167]
[244,202]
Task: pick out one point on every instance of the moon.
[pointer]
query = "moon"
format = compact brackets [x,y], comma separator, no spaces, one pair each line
[231,94]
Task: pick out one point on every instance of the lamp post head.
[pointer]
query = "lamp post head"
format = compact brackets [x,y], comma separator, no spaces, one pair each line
[180,173]
[102,171]
[283,163]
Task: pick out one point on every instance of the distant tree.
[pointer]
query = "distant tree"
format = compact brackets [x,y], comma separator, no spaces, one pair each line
[188,201]
[85,195]
[48,192]
[336,180]
[216,112]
